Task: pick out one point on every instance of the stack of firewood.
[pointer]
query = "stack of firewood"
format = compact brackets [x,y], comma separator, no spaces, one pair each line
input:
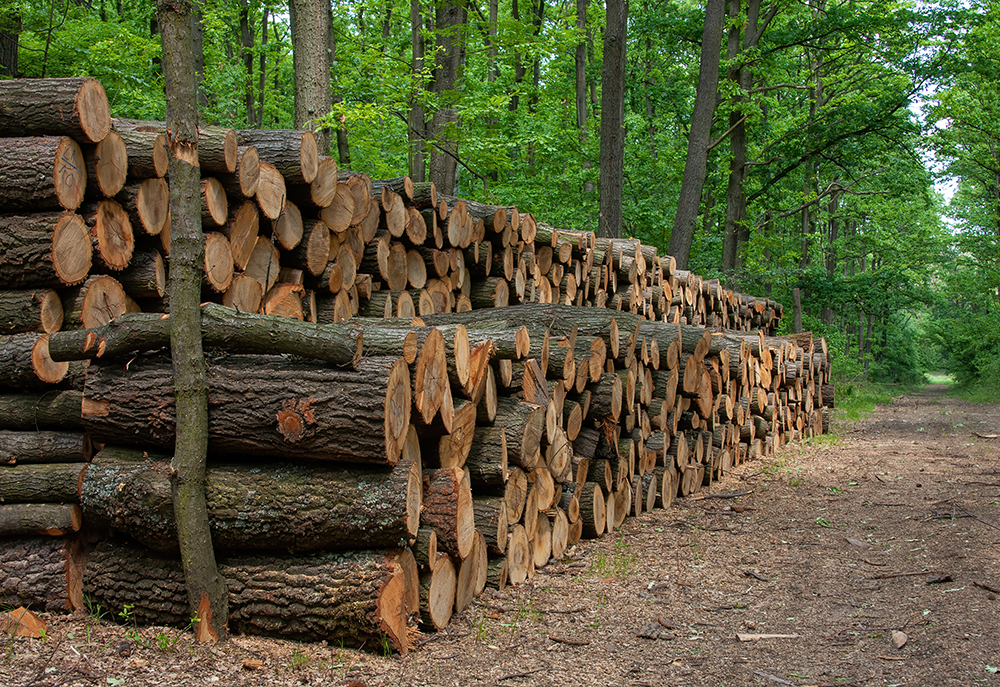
[409,398]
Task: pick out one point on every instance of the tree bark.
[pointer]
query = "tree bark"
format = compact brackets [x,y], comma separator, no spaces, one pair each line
[42,483]
[310,23]
[358,598]
[260,406]
[42,572]
[222,328]
[268,506]
[58,410]
[25,362]
[41,173]
[613,119]
[50,519]
[39,310]
[76,107]
[43,446]
[48,249]
[696,164]
[294,153]
[206,592]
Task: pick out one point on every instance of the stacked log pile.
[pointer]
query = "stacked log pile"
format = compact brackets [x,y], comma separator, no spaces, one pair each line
[411,396]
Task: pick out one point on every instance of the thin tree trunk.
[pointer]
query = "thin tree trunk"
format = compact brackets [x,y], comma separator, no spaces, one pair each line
[246,48]
[417,126]
[580,59]
[207,594]
[262,70]
[696,165]
[613,120]
[198,40]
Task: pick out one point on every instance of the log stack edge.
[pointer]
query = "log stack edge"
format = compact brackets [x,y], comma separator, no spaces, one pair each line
[412,396]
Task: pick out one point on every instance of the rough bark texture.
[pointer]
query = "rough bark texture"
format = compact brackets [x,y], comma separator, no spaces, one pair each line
[41,173]
[266,506]
[51,519]
[30,311]
[48,249]
[357,598]
[696,165]
[223,328]
[292,152]
[310,23]
[76,107]
[58,410]
[613,119]
[262,406]
[44,446]
[25,362]
[206,593]
[55,483]
[41,572]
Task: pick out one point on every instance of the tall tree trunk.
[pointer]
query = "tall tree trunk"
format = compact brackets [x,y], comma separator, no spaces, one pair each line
[538,16]
[198,41]
[450,20]
[613,120]
[417,127]
[262,70]
[10,32]
[735,198]
[246,51]
[833,227]
[696,164]
[207,593]
[580,62]
[343,146]
[311,60]
[515,98]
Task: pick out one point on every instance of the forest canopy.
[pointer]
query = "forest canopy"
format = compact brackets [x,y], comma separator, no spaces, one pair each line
[825,130]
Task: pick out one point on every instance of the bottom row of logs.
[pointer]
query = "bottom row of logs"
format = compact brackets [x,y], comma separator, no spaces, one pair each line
[372,598]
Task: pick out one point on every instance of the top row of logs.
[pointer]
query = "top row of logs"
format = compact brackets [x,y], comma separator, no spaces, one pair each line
[279,175]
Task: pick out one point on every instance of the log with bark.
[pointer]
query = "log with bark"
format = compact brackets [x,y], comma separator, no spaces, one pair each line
[41,483]
[260,406]
[267,505]
[76,106]
[44,446]
[147,204]
[38,310]
[357,598]
[50,519]
[222,327]
[41,173]
[293,153]
[25,362]
[43,572]
[448,509]
[49,249]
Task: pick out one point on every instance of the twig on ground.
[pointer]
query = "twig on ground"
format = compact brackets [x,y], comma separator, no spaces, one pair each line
[886,576]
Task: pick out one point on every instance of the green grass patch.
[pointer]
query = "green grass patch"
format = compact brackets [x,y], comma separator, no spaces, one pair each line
[939,378]
[856,401]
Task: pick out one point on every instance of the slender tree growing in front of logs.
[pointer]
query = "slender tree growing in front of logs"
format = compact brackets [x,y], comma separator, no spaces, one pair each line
[207,593]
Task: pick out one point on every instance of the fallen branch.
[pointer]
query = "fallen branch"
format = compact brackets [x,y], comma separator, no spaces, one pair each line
[568,640]
[886,576]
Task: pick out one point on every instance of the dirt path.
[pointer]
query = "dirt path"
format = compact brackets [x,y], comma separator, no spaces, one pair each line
[892,527]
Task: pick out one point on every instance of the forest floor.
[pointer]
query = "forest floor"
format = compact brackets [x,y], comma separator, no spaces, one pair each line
[888,529]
